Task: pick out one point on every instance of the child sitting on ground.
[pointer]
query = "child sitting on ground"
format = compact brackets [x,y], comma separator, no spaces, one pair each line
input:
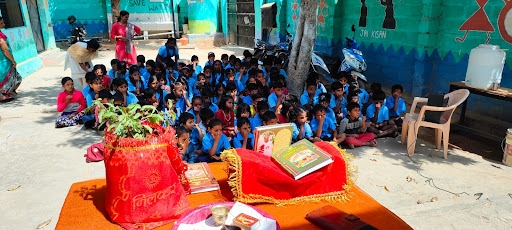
[244,137]
[207,95]
[261,108]
[325,99]
[301,128]
[277,97]
[243,111]
[378,116]
[180,94]
[396,105]
[206,115]
[214,142]
[70,103]
[135,84]
[309,97]
[269,118]
[187,120]
[220,91]
[182,140]
[121,85]
[112,72]
[322,126]
[338,101]
[353,128]
[197,104]
[149,98]
[171,113]
[227,116]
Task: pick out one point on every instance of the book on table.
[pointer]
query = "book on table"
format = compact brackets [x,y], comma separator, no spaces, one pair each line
[302,158]
[201,178]
[272,138]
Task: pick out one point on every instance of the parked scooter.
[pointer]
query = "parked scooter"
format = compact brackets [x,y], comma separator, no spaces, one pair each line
[352,63]
[78,31]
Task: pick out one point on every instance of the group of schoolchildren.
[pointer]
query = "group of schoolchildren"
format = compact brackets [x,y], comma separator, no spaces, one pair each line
[218,106]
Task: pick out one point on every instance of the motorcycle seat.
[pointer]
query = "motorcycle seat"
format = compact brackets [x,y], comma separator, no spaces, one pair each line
[328,59]
[268,46]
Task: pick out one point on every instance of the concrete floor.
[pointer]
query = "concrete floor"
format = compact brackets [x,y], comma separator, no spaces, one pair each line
[45,161]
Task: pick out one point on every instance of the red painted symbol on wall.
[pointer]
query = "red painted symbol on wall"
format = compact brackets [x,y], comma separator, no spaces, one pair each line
[479,21]
[505,21]
[321,6]
[294,8]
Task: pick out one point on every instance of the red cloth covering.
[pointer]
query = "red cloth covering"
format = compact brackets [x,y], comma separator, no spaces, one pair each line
[146,185]
[255,178]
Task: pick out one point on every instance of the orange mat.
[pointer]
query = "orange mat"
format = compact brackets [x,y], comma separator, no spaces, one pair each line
[84,207]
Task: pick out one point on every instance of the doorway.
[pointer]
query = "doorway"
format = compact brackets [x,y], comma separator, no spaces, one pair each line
[245,29]
[35,23]
[232,25]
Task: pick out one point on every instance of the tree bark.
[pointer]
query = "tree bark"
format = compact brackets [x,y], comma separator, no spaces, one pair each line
[303,44]
[116,5]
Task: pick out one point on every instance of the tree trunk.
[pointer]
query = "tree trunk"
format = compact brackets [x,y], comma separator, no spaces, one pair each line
[303,43]
[115,10]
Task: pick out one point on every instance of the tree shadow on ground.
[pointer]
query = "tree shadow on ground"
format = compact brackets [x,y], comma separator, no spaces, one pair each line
[42,96]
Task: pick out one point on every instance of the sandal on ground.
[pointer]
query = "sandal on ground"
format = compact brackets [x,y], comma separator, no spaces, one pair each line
[5,97]
[373,143]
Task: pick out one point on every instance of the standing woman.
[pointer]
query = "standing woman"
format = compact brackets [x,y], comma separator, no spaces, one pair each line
[78,58]
[10,79]
[123,33]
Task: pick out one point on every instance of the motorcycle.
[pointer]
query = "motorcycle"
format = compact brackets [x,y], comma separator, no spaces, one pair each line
[263,49]
[353,62]
[78,31]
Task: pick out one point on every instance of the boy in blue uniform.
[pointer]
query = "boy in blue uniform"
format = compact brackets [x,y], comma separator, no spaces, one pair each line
[277,97]
[396,104]
[141,60]
[214,142]
[261,108]
[338,101]
[377,114]
[325,99]
[309,98]
[321,125]
[167,51]
[244,138]
[206,95]
[187,120]
[278,63]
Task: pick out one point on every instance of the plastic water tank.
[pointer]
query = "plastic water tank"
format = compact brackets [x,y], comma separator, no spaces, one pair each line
[485,66]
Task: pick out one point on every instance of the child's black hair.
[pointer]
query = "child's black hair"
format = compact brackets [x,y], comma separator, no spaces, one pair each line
[253,61]
[105,94]
[375,86]
[316,108]
[262,105]
[118,96]
[97,67]
[352,105]
[313,76]
[160,77]
[267,61]
[324,97]
[218,86]
[292,99]
[161,66]
[223,101]
[207,67]
[277,85]
[224,56]
[114,62]
[247,53]
[256,96]
[133,69]
[244,64]
[310,82]
[278,61]
[119,82]
[170,64]
[267,116]
[341,74]
[252,86]
[170,96]
[351,95]
[285,108]
[242,121]
[353,89]
[242,107]
[65,79]
[230,87]
[184,117]
[181,130]
[294,113]
[196,98]
[90,77]
[379,95]
[206,114]
[336,85]
[214,122]
[149,92]
[141,59]
[194,58]
[397,86]
[207,93]
[121,65]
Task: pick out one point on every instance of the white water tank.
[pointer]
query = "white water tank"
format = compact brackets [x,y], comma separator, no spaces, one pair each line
[485,66]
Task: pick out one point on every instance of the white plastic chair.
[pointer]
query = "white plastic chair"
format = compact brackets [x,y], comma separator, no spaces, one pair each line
[413,121]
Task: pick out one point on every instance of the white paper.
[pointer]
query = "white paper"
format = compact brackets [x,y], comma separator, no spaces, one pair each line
[263,223]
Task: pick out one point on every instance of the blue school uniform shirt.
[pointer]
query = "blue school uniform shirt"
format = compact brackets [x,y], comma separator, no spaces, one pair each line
[239,86]
[86,90]
[126,76]
[175,74]
[181,104]
[89,97]
[256,121]
[247,99]
[208,142]
[194,137]
[111,74]
[165,51]
[244,78]
[330,114]
[282,72]
[146,77]
[390,104]
[132,87]
[304,99]
[142,70]
[363,96]
[228,66]
[335,100]
[213,107]
[320,88]
[131,99]
[296,129]
[199,69]
[327,127]
[272,101]
[191,111]
[238,141]
[208,63]
[383,113]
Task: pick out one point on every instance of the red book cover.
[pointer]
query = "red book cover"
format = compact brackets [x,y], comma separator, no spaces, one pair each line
[201,178]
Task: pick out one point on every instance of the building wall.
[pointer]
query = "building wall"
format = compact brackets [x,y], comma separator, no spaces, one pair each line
[91,13]
[21,39]
[427,48]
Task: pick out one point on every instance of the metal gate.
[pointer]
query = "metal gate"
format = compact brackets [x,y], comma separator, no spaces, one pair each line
[232,27]
[35,24]
[245,23]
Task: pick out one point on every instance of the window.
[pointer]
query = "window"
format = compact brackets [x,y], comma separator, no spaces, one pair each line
[11,13]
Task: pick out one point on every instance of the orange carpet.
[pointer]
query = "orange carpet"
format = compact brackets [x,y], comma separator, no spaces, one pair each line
[84,207]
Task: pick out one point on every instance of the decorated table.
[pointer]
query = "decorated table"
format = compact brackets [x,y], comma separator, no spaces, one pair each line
[84,207]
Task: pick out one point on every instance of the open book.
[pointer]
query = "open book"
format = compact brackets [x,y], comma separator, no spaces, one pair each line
[272,138]
[302,158]
[201,178]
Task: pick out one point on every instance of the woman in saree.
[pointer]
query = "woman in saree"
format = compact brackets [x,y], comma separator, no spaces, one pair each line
[10,79]
[78,58]
[123,33]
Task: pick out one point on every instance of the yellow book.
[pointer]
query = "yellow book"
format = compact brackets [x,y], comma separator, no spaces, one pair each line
[272,138]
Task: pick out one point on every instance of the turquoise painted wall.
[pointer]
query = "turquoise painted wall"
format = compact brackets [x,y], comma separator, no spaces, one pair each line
[91,13]
[203,16]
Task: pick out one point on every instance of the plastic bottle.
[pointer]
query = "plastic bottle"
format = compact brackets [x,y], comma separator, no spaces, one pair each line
[485,66]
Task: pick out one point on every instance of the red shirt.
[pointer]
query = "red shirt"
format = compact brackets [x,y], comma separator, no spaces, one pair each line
[106,82]
[228,120]
[282,119]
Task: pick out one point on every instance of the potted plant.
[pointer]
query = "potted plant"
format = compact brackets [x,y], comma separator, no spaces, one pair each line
[144,171]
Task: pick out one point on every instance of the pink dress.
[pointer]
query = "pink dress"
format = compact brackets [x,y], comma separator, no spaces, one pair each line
[120,30]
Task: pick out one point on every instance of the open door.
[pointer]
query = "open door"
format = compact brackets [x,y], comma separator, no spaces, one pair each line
[35,24]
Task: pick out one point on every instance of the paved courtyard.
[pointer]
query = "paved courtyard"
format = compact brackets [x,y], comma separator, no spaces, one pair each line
[464,191]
